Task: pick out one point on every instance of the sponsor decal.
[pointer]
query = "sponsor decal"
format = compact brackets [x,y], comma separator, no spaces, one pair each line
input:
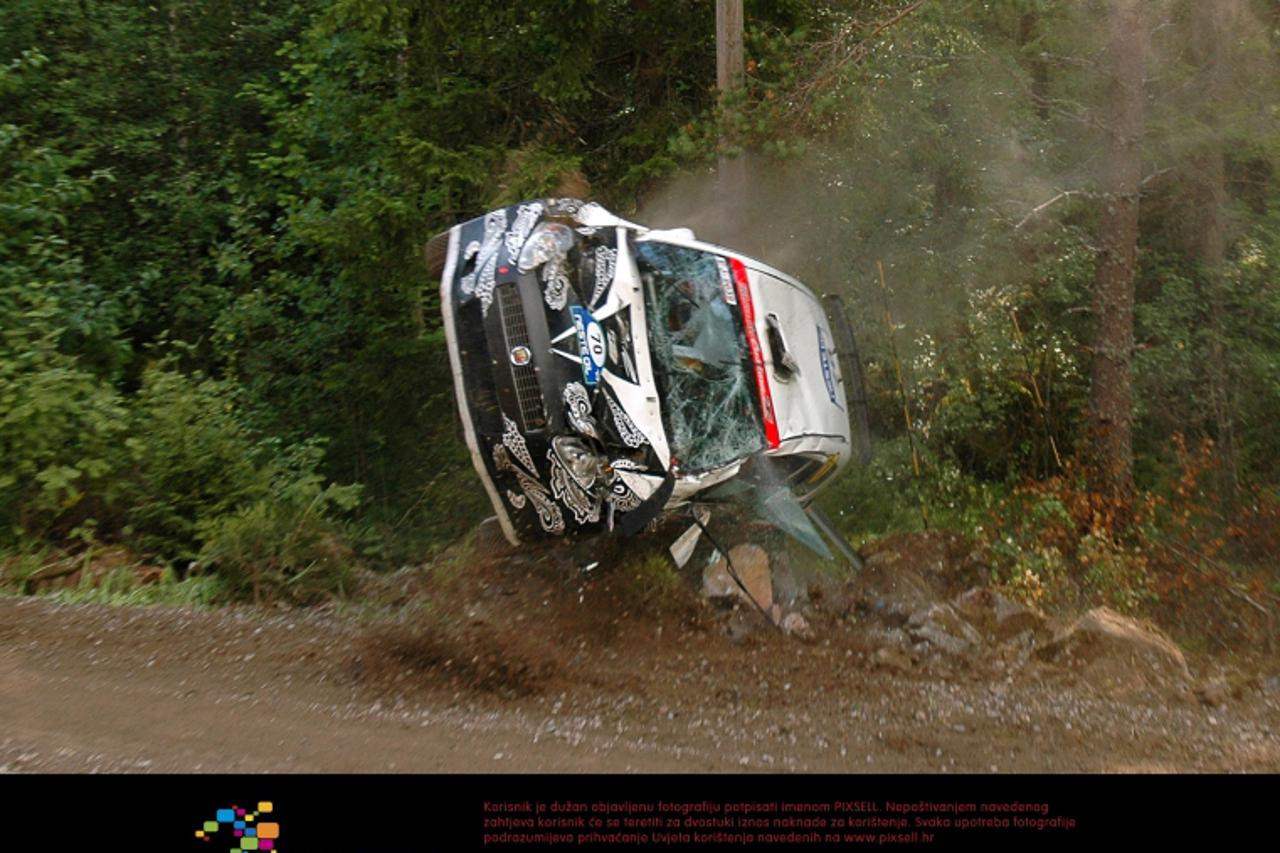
[578,410]
[526,218]
[631,436]
[591,344]
[824,355]
[606,266]
[481,281]
[726,283]
[513,444]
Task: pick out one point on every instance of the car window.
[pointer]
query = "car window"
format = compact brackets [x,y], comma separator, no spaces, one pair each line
[699,356]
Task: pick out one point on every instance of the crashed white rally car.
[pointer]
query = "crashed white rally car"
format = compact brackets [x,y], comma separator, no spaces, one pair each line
[607,373]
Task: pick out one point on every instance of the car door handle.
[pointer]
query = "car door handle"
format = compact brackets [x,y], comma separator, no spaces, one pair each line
[784,363]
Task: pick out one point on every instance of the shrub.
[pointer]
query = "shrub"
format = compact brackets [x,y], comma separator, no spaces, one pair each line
[286,546]
[1055,542]
[195,460]
[60,430]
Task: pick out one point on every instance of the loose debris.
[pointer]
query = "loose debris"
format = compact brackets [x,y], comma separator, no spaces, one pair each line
[920,606]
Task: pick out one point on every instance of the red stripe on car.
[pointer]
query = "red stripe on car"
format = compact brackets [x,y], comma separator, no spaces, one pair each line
[757,354]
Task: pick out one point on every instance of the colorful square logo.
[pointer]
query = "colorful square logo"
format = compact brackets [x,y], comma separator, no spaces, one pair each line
[243,827]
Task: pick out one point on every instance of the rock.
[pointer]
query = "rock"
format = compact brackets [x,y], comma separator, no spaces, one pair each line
[717,583]
[742,625]
[892,659]
[1219,690]
[1116,652]
[1271,686]
[895,637]
[889,591]
[1215,692]
[790,589]
[1017,650]
[752,566]
[943,628]
[998,617]
[796,625]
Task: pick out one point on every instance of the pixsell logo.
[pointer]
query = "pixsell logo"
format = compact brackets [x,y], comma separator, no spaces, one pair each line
[244,828]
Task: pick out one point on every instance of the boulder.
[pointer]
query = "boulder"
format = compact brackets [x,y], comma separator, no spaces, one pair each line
[996,616]
[943,628]
[888,590]
[892,659]
[1214,692]
[1117,653]
[752,566]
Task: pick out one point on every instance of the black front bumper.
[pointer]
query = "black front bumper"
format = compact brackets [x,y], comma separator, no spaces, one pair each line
[497,317]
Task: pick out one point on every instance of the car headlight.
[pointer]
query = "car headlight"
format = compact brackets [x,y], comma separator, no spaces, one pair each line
[549,240]
[583,465]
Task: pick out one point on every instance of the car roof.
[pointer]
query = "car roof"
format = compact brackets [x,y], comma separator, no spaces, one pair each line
[601,217]
[673,237]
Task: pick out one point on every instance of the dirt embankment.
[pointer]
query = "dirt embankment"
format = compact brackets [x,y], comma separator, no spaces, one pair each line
[524,662]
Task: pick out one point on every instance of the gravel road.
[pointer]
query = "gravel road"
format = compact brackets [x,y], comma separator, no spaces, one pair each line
[504,667]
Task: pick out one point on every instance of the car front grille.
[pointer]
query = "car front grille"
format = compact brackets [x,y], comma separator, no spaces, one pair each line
[524,377]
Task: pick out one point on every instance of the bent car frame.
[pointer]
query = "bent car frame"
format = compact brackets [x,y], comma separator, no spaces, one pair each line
[607,373]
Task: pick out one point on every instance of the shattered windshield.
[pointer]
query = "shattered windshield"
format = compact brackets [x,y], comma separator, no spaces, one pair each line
[699,356]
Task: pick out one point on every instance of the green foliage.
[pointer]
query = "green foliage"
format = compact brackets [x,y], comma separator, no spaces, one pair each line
[119,587]
[285,546]
[212,305]
[1119,573]
[194,458]
[1054,543]
[61,431]
[877,498]
[651,578]
[19,567]
[60,424]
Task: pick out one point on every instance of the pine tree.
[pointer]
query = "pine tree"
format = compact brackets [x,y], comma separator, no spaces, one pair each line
[1111,408]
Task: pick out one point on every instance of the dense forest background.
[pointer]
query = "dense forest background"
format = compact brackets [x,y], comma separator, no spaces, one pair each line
[220,344]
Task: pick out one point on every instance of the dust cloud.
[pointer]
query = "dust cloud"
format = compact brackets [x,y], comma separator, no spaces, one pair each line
[957,172]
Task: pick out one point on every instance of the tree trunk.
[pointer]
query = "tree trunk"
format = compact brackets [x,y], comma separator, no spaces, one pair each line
[730,171]
[1212,250]
[729,68]
[1208,44]
[1028,34]
[1111,408]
